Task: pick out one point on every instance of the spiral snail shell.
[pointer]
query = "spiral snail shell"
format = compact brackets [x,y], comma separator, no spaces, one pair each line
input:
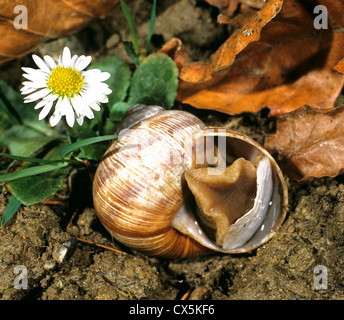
[171,187]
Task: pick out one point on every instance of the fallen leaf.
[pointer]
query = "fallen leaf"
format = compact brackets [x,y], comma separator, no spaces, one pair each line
[175,49]
[309,143]
[339,67]
[46,20]
[236,12]
[282,62]
[228,7]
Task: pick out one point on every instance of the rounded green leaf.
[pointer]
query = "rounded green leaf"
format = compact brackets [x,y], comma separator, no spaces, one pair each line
[155,81]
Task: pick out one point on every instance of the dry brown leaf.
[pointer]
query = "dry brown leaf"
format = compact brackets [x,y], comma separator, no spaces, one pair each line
[281,62]
[309,143]
[236,12]
[47,19]
[339,67]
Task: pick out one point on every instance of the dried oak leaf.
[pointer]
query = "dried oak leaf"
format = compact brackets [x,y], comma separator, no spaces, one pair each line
[339,67]
[236,11]
[282,62]
[46,20]
[309,143]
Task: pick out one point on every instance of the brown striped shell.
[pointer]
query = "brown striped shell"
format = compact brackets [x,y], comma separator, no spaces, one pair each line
[153,193]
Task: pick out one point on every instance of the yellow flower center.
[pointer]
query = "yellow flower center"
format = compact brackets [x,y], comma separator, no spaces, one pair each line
[65,82]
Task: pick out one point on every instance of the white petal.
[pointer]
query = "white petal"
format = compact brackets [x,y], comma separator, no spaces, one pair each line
[107,91]
[51,97]
[77,61]
[37,95]
[104,99]
[98,78]
[72,62]
[26,90]
[29,70]
[50,62]
[66,57]
[41,104]
[69,112]
[98,97]
[87,112]
[91,74]
[80,120]
[95,106]
[45,111]
[35,84]
[60,60]
[48,99]
[83,63]
[40,63]
[104,76]
[55,118]
[96,91]
[77,103]
[35,76]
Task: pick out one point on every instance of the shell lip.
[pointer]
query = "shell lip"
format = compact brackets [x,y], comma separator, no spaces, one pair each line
[274,215]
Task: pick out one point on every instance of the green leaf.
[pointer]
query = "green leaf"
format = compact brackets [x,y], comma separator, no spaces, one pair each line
[5,122]
[130,51]
[11,209]
[155,81]
[54,153]
[31,171]
[118,111]
[23,113]
[36,188]
[28,159]
[129,18]
[119,80]
[24,141]
[79,144]
[151,25]
[5,110]
[22,132]
[92,151]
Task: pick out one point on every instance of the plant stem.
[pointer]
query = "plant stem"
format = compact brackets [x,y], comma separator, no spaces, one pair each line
[71,132]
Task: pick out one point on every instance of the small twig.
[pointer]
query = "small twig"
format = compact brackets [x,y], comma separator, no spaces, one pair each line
[72,217]
[52,202]
[88,167]
[100,245]
[186,295]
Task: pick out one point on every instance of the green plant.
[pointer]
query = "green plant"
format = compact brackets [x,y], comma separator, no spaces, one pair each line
[42,157]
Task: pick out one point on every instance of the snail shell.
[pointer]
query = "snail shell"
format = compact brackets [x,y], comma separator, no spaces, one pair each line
[172,187]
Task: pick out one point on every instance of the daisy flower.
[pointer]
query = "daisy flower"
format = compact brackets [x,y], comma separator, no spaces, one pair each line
[66,86]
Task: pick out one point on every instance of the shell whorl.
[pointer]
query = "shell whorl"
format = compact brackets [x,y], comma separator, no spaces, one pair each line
[145,199]
[138,207]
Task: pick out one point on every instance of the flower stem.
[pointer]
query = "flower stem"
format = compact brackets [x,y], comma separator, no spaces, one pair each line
[71,132]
